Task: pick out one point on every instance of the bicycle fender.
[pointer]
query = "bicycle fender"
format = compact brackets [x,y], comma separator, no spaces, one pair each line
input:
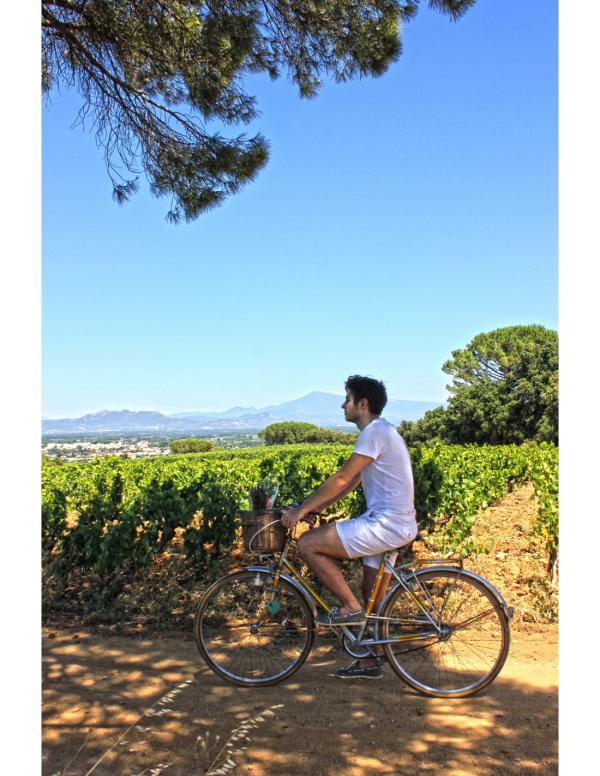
[472,575]
[463,573]
[291,581]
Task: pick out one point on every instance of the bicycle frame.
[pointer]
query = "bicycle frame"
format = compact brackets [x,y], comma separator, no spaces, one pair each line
[295,577]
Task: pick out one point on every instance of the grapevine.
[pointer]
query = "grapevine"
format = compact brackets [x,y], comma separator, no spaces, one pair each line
[111,511]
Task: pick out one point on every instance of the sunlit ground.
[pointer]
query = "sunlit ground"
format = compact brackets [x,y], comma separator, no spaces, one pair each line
[177,715]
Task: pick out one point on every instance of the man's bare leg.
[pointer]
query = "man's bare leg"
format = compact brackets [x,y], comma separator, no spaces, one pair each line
[320,548]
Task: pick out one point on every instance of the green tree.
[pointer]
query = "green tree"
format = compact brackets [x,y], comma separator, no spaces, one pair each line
[154,74]
[428,429]
[504,391]
[505,387]
[52,460]
[297,432]
[191,445]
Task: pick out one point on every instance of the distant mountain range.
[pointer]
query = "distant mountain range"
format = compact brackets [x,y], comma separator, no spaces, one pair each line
[322,409]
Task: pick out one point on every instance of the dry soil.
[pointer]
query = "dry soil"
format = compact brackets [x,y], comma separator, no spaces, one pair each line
[139,706]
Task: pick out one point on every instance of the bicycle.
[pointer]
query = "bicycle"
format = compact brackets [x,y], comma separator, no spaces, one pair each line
[445,631]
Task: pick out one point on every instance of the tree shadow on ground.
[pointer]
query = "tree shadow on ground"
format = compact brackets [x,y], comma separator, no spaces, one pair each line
[98,687]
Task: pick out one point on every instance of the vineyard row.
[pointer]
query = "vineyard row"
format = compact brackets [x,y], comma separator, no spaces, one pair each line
[110,512]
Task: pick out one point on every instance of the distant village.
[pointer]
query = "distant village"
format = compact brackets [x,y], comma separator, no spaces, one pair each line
[77,449]
[83,450]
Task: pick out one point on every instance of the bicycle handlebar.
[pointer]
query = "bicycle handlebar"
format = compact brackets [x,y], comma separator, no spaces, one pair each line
[309,518]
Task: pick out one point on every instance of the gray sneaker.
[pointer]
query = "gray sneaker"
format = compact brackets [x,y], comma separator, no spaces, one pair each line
[356,671]
[335,618]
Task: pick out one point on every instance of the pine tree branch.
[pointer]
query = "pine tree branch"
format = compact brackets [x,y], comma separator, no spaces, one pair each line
[128,88]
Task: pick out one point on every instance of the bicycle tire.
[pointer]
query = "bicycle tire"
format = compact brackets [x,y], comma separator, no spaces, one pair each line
[243,640]
[475,641]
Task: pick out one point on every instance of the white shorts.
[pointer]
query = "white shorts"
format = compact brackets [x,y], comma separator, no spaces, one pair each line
[372,534]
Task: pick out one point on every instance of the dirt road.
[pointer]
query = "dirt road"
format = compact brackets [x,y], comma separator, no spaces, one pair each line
[96,687]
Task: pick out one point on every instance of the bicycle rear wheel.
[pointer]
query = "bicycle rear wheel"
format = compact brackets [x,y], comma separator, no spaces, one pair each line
[251,633]
[472,646]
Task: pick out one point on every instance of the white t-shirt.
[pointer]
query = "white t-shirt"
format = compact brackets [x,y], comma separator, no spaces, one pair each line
[387,481]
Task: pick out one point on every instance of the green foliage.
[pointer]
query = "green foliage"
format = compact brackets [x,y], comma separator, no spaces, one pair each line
[504,391]
[54,508]
[297,432]
[191,445]
[505,387]
[453,482]
[543,472]
[127,511]
[52,460]
[153,74]
[427,430]
[104,534]
[222,487]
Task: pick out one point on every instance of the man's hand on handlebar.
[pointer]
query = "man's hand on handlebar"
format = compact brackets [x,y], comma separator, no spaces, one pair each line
[294,515]
[291,517]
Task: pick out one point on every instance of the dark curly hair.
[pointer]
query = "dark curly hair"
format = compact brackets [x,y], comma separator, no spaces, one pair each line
[370,389]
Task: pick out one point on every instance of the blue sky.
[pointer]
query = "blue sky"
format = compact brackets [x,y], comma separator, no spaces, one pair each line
[396,219]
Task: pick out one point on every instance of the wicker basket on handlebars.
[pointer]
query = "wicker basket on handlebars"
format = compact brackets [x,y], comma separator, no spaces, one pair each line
[262,531]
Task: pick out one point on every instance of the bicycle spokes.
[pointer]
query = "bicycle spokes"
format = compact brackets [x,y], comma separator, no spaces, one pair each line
[466,648]
[252,633]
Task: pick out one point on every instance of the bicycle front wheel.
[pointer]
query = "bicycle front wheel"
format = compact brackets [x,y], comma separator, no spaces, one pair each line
[251,633]
[462,650]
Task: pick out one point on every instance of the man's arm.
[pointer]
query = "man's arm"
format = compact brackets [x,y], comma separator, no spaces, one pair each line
[348,489]
[331,490]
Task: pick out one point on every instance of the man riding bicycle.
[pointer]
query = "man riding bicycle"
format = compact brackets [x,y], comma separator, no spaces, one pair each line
[380,460]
